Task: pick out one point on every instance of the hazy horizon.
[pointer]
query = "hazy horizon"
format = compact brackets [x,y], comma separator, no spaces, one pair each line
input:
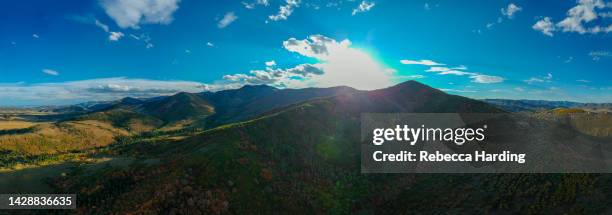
[144,98]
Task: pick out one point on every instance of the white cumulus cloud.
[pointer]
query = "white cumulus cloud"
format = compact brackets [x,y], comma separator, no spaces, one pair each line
[115,36]
[364,6]
[545,26]
[270,63]
[578,19]
[285,10]
[133,13]
[510,10]
[582,13]
[112,35]
[227,20]
[316,46]
[342,64]
[276,77]
[252,5]
[339,64]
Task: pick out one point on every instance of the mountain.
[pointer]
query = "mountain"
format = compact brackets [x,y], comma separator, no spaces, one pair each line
[540,105]
[178,107]
[82,107]
[207,109]
[238,97]
[412,96]
[251,101]
[124,118]
[302,158]
[130,101]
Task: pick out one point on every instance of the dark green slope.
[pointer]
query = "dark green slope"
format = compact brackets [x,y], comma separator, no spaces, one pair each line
[300,159]
[143,116]
[124,118]
[235,105]
[238,97]
[304,159]
[412,96]
[122,114]
[178,107]
[281,162]
[251,101]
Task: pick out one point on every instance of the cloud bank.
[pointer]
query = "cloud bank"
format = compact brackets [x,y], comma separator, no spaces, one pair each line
[92,90]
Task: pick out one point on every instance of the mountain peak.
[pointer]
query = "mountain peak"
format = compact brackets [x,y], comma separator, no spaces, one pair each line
[261,86]
[410,84]
[185,97]
[130,101]
[179,106]
[183,94]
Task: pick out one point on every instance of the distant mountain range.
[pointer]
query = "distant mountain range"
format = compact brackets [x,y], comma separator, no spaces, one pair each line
[254,99]
[539,105]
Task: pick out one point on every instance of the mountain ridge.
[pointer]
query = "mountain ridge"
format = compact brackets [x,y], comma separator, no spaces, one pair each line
[540,105]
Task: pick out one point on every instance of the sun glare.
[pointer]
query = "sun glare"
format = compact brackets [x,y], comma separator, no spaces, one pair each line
[352,67]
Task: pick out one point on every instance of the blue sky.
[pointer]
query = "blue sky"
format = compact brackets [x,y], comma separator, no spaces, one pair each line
[67,51]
